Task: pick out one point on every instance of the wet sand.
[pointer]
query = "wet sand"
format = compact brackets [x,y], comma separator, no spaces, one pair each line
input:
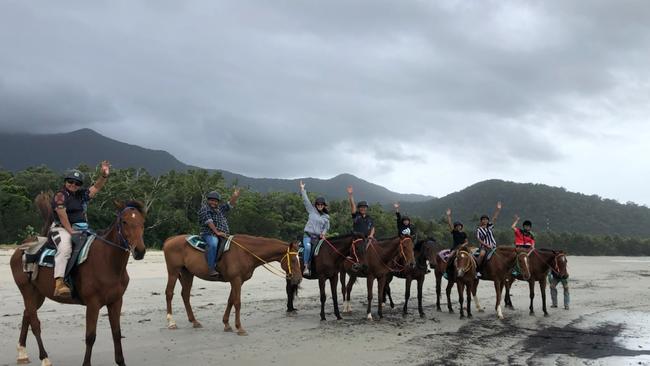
[608,324]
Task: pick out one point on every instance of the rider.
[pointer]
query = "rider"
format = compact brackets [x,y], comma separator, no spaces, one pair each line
[524,238]
[362,224]
[404,226]
[459,239]
[69,217]
[485,236]
[214,224]
[317,224]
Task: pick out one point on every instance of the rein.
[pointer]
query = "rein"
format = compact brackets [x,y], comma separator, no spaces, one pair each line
[124,242]
[555,269]
[347,258]
[471,263]
[275,271]
[402,254]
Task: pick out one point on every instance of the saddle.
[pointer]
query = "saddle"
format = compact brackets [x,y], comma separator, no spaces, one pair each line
[41,253]
[315,249]
[196,242]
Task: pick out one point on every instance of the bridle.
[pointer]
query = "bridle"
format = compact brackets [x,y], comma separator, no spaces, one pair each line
[395,260]
[471,263]
[123,243]
[287,256]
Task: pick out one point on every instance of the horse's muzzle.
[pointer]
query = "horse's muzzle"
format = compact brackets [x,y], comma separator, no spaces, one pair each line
[138,255]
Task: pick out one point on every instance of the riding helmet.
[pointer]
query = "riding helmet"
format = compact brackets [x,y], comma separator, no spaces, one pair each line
[458,223]
[404,218]
[362,204]
[320,200]
[485,217]
[214,195]
[75,175]
[528,223]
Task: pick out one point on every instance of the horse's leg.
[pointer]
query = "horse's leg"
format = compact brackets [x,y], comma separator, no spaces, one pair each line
[474,291]
[345,300]
[334,281]
[237,303]
[388,294]
[323,297]
[542,288]
[438,290]
[370,280]
[450,285]
[381,287]
[186,283]
[348,291]
[531,287]
[114,311]
[30,317]
[507,300]
[460,286]
[407,296]
[23,357]
[226,314]
[291,292]
[92,312]
[420,286]
[172,277]
[498,287]
[469,300]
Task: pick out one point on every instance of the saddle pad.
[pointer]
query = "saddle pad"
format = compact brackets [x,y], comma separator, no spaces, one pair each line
[197,243]
[83,254]
[46,258]
[315,250]
[444,254]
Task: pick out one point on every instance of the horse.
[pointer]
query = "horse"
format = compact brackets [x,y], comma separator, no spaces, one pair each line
[440,269]
[424,251]
[541,261]
[465,278]
[499,269]
[327,265]
[378,255]
[236,267]
[100,281]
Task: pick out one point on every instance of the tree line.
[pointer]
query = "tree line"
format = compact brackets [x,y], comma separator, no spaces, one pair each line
[173,199]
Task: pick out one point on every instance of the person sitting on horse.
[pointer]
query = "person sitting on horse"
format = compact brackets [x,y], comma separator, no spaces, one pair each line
[404,225]
[485,236]
[317,225]
[362,224]
[69,217]
[524,238]
[459,239]
[214,224]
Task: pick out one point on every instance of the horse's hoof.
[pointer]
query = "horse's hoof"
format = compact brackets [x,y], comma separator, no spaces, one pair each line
[422,315]
[338,317]
[469,316]
[23,361]
[197,325]
[369,317]
[545,315]
[323,319]
[227,328]
[172,326]
[532,313]
[46,362]
[439,310]
[451,311]
[462,316]
[242,333]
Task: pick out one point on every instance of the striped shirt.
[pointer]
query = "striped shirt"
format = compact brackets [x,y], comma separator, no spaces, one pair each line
[486,235]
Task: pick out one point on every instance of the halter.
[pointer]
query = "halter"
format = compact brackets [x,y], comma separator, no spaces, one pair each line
[471,263]
[123,241]
[287,256]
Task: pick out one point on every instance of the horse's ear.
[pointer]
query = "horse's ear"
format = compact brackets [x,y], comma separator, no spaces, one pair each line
[119,205]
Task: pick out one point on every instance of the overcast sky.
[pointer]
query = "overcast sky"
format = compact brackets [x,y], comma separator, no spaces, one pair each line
[419,96]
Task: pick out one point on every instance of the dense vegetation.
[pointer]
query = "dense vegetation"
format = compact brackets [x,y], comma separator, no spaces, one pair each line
[173,199]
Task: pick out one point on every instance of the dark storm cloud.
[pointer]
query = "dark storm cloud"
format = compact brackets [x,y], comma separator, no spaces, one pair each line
[303,88]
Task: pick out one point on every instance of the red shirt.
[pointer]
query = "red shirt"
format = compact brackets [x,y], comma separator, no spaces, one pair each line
[522,238]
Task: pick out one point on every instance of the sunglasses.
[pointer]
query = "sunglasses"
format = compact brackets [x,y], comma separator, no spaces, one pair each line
[76,183]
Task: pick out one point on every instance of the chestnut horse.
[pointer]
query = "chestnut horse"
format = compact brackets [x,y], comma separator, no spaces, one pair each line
[465,278]
[439,271]
[381,258]
[327,265]
[424,252]
[499,270]
[236,266]
[100,281]
[541,261]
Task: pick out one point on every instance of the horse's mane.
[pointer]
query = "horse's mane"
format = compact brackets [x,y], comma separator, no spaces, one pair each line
[341,236]
[43,203]
[137,205]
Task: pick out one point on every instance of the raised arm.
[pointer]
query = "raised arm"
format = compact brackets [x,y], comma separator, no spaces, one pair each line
[234,197]
[397,214]
[497,212]
[451,226]
[514,224]
[99,184]
[353,206]
[305,199]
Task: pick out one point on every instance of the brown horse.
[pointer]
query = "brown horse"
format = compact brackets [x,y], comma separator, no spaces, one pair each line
[440,269]
[424,252]
[465,278]
[327,265]
[381,259]
[100,281]
[541,261]
[236,266]
[499,269]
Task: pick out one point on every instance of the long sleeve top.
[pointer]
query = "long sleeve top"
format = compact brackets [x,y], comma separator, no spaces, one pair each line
[318,223]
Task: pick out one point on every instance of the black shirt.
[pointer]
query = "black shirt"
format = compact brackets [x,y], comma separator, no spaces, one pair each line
[75,205]
[459,238]
[361,225]
[401,227]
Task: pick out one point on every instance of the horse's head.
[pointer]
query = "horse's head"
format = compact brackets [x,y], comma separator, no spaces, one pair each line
[560,265]
[464,262]
[130,226]
[428,251]
[523,261]
[291,264]
[406,250]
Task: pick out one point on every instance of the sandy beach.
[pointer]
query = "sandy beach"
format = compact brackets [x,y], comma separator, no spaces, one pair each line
[608,324]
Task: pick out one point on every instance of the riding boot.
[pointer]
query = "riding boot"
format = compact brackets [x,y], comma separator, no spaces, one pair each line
[61,289]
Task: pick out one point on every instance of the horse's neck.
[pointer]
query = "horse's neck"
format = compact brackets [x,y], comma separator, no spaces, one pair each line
[389,250]
[116,257]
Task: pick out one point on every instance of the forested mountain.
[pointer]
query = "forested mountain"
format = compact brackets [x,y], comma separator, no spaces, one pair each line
[85,146]
[549,208]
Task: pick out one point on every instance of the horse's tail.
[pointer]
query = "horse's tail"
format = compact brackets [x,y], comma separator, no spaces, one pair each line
[42,202]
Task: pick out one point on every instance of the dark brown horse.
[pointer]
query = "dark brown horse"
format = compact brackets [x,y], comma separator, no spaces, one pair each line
[327,264]
[541,261]
[424,252]
[499,270]
[381,258]
[100,281]
[236,267]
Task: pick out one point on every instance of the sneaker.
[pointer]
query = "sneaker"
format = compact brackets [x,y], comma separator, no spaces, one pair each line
[554,306]
[214,273]
[306,272]
[566,307]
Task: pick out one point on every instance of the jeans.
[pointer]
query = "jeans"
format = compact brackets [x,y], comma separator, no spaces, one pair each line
[306,243]
[553,282]
[212,243]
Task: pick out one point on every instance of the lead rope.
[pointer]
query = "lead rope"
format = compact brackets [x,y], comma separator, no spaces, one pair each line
[347,258]
[275,271]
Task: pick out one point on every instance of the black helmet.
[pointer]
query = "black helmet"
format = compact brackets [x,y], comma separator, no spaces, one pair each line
[362,204]
[485,217]
[528,223]
[214,195]
[75,175]
[404,218]
[320,200]
[458,223]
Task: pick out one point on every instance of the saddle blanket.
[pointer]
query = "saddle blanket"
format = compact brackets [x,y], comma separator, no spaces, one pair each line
[196,242]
